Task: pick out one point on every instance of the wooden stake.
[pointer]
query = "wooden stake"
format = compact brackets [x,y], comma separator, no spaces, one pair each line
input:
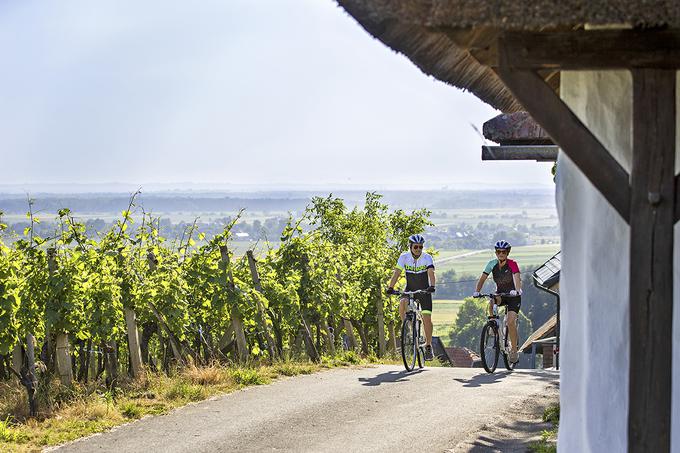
[236,320]
[381,326]
[262,320]
[63,356]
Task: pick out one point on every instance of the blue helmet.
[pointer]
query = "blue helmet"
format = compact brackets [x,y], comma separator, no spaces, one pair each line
[502,245]
[416,239]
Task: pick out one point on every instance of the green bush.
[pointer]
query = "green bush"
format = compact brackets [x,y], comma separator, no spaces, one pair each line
[249,376]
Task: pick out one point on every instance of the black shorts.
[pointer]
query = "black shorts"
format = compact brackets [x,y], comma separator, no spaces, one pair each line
[513,303]
[425,302]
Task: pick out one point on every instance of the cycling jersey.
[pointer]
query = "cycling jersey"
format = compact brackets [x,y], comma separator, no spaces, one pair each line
[416,270]
[502,276]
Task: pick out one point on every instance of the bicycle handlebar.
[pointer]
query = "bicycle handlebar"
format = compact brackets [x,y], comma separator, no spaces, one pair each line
[494,295]
[410,293]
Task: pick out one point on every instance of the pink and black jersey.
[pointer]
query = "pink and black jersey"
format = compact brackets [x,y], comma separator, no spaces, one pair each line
[502,276]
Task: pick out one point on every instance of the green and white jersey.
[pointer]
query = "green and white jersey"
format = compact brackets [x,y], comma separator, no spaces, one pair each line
[416,270]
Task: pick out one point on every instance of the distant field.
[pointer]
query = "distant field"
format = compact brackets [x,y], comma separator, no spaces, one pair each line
[444,314]
[524,216]
[530,255]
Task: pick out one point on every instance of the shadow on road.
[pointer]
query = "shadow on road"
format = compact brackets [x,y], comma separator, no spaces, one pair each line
[508,437]
[481,379]
[389,377]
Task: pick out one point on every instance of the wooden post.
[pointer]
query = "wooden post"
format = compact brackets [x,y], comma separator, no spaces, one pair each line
[133,342]
[350,333]
[63,356]
[330,335]
[30,357]
[236,320]
[17,358]
[174,344]
[392,345]
[262,320]
[381,325]
[111,352]
[309,341]
[134,348]
[64,359]
[651,260]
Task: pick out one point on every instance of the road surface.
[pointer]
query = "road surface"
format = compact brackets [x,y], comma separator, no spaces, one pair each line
[376,409]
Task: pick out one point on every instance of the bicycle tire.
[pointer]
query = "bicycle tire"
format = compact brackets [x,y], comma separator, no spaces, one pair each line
[489,351]
[408,344]
[506,359]
[419,351]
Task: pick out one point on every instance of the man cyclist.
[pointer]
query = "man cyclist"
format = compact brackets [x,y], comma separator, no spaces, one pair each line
[507,278]
[419,269]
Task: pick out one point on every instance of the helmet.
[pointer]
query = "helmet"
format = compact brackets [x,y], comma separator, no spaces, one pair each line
[416,239]
[502,245]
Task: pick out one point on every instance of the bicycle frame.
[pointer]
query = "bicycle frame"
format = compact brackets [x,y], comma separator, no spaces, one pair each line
[500,327]
[413,318]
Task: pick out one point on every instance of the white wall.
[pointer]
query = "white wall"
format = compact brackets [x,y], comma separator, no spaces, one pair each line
[594,278]
[675,395]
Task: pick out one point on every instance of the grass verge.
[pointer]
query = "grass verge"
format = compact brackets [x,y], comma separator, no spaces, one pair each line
[88,409]
[548,442]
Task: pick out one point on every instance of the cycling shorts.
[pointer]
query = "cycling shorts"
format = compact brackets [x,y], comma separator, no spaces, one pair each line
[425,302]
[513,303]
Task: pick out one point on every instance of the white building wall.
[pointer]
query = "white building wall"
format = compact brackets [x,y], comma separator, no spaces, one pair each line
[675,395]
[594,278]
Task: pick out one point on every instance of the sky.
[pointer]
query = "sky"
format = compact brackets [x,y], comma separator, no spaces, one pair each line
[279,92]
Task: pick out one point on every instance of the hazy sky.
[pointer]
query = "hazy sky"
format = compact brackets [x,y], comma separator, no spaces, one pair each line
[260,92]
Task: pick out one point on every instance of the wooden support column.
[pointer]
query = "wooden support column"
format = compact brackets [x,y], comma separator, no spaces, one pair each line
[651,260]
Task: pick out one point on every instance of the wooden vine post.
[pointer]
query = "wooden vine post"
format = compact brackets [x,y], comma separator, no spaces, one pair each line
[381,325]
[132,330]
[262,320]
[63,356]
[236,320]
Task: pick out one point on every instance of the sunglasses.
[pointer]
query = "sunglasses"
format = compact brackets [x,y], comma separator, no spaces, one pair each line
[498,252]
[417,246]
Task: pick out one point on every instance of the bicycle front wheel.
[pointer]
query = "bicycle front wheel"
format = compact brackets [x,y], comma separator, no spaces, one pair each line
[489,347]
[409,344]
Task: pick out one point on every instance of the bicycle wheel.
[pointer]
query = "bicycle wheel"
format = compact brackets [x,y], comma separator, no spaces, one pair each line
[506,358]
[489,347]
[408,344]
[419,350]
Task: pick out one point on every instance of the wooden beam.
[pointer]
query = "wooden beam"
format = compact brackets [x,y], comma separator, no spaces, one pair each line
[539,153]
[651,261]
[676,216]
[572,136]
[597,49]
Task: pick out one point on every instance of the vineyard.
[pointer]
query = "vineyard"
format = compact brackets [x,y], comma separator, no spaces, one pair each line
[83,307]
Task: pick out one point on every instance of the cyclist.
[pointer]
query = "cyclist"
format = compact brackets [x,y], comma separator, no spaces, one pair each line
[419,269]
[507,278]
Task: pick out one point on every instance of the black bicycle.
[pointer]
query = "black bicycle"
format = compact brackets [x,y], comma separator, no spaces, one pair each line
[494,341]
[412,342]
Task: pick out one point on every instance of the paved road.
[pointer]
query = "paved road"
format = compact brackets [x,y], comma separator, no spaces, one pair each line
[380,409]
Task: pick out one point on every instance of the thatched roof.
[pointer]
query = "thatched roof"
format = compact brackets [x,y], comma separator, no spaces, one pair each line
[522,14]
[433,52]
[517,128]
[454,40]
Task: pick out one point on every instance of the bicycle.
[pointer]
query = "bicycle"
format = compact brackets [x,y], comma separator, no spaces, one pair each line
[412,342]
[493,343]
